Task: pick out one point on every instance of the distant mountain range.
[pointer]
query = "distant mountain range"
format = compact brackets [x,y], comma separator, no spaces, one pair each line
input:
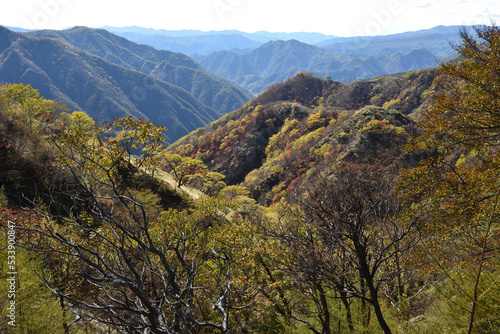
[436,40]
[108,76]
[278,60]
[259,36]
[258,60]
[202,43]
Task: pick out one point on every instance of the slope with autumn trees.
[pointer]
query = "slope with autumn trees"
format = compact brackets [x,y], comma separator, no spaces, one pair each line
[29,124]
[282,137]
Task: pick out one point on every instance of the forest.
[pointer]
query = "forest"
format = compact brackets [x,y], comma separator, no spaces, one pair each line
[316,207]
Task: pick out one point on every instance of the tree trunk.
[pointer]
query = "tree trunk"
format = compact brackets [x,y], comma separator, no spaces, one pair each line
[63,308]
[345,301]
[376,306]
[326,310]
[378,312]
[364,269]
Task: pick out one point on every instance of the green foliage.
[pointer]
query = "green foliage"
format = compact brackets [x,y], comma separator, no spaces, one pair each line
[446,313]
[410,75]
[233,192]
[308,138]
[184,169]
[213,182]
[4,202]
[392,104]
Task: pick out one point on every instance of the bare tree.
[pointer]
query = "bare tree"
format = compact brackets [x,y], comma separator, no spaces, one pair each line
[356,209]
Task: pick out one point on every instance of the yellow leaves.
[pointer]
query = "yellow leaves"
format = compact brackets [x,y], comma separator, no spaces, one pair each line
[294,134]
[95,160]
[390,104]
[317,119]
[468,100]
[233,192]
[323,151]
[308,137]
[19,93]
[290,125]
[79,120]
[136,134]
[184,169]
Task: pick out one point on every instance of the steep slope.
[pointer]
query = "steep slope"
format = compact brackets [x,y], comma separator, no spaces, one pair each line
[30,167]
[102,89]
[7,37]
[271,63]
[285,136]
[175,68]
[349,58]
[278,56]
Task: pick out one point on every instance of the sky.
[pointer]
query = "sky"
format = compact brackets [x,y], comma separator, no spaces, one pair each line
[330,17]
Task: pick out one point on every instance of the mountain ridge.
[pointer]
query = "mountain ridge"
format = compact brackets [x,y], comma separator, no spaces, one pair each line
[146,59]
[104,90]
[279,140]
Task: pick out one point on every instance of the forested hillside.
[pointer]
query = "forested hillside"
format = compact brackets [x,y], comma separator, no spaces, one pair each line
[172,67]
[321,207]
[164,87]
[281,138]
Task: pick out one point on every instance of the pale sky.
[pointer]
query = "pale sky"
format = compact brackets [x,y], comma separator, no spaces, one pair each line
[331,17]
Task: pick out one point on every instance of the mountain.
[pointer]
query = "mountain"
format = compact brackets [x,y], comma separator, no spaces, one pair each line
[272,62]
[172,67]
[102,89]
[436,40]
[278,60]
[284,136]
[15,29]
[413,60]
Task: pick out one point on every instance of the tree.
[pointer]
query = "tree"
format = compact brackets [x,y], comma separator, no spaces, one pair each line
[343,240]
[115,259]
[356,211]
[183,168]
[458,184]
[213,182]
[28,101]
